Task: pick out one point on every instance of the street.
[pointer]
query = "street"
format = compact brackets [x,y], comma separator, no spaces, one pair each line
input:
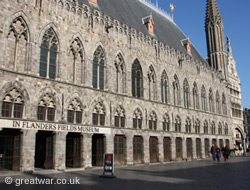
[200,175]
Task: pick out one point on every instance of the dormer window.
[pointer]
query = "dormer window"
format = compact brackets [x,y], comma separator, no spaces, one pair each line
[149,23]
[93,1]
[187,44]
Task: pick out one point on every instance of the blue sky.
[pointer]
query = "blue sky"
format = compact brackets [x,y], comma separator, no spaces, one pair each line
[189,15]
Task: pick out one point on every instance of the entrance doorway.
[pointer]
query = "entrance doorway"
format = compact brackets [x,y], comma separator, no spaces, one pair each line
[198,148]
[214,141]
[98,149]
[178,142]
[120,150]
[138,150]
[44,150]
[153,143]
[73,150]
[189,145]
[207,148]
[221,143]
[167,149]
[10,144]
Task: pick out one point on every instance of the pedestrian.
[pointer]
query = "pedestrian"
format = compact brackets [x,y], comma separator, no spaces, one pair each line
[213,152]
[225,152]
[218,153]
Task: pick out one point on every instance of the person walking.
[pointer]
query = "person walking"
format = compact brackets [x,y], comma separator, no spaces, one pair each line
[213,152]
[218,153]
[225,152]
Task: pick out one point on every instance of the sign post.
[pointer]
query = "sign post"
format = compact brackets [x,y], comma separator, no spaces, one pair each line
[108,165]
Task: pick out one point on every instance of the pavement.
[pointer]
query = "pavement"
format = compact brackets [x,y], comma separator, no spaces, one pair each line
[191,175]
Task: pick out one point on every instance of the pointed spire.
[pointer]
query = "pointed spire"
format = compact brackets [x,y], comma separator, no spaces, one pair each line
[213,12]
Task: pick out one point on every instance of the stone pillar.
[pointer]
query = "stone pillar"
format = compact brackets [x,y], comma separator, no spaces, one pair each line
[28,147]
[129,148]
[173,148]
[109,143]
[60,150]
[184,148]
[194,148]
[203,155]
[146,149]
[160,149]
[86,150]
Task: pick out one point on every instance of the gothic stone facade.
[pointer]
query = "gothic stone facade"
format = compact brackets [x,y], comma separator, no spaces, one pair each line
[64,73]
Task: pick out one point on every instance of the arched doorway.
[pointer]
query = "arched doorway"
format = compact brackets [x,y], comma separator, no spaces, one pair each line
[239,141]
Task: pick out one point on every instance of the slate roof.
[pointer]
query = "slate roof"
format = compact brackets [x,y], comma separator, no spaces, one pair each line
[131,12]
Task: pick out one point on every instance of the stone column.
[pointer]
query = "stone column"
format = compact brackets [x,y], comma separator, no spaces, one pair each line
[86,150]
[160,149]
[194,148]
[28,147]
[146,157]
[60,150]
[129,148]
[184,148]
[109,143]
[173,148]
[203,155]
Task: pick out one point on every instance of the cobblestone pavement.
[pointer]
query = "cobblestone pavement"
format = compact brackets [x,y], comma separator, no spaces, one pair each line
[200,175]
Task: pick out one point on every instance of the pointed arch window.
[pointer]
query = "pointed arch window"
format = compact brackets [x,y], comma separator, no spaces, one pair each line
[48,54]
[120,74]
[188,125]
[226,129]
[152,83]
[176,90]
[218,107]
[46,108]
[75,112]
[197,126]
[211,101]
[166,123]
[120,117]
[220,129]
[13,104]
[153,121]
[98,116]
[177,124]
[203,99]
[164,88]
[205,127]
[137,119]
[196,97]
[224,105]
[137,80]
[98,69]
[186,94]
[213,128]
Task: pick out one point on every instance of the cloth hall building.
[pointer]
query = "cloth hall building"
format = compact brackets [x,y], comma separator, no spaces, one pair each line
[80,78]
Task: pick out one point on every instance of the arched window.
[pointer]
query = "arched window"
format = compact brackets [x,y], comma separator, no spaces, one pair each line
[213,128]
[186,94]
[13,104]
[46,108]
[120,117]
[205,127]
[188,125]
[226,129]
[74,112]
[218,110]
[98,69]
[137,119]
[166,123]
[164,88]
[75,68]
[120,74]
[224,105]
[137,79]
[220,129]
[177,124]
[98,116]
[48,54]
[18,38]
[203,99]
[197,126]
[152,83]
[196,97]
[176,90]
[153,121]
[211,101]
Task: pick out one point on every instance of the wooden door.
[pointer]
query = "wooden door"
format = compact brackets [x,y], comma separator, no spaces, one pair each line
[167,149]
[16,152]
[227,143]
[153,146]
[97,150]
[77,152]
[178,142]
[189,145]
[49,152]
[120,150]
[207,148]
[198,148]
[138,150]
